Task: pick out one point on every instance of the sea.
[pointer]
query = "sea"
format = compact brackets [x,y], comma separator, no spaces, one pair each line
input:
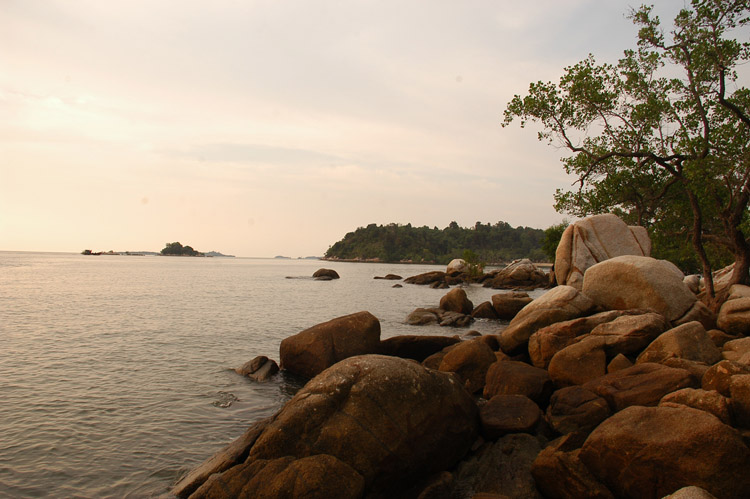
[117,372]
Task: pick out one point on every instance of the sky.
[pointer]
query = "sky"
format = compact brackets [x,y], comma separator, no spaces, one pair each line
[272,127]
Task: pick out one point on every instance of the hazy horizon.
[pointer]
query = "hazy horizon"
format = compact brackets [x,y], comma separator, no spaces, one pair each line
[274,128]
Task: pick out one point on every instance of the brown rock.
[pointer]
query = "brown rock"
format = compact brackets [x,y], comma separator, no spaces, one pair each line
[593,240]
[689,341]
[618,363]
[698,312]
[649,452]
[642,384]
[736,349]
[579,363]
[470,360]
[556,305]
[415,347]
[319,347]
[719,376]
[390,277]
[427,278]
[691,492]
[574,408]
[549,340]
[559,473]
[518,378]
[457,301]
[422,316]
[704,400]
[484,310]
[739,388]
[325,273]
[508,414]
[518,274]
[630,334]
[500,469]
[390,419]
[627,282]
[259,369]
[719,337]
[320,476]
[507,305]
[734,316]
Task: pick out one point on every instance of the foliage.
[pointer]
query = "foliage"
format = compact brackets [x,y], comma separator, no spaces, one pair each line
[396,243]
[476,266]
[552,236]
[177,249]
[662,138]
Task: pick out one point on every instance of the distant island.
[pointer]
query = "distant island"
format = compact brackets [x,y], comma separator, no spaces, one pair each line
[171,249]
[487,243]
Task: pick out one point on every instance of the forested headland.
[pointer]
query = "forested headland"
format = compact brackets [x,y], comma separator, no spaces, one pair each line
[486,243]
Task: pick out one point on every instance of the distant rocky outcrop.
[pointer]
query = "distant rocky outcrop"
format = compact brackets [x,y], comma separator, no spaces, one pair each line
[519,274]
[325,275]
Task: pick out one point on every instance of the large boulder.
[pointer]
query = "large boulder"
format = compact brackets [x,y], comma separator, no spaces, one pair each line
[579,363]
[457,301]
[689,341]
[629,334]
[737,350]
[628,282]
[508,414]
[518,274]
[642,384]
[710,401]
[719,376]
[593,240]
[649,452]
[435,276]
[390,419]
[734,316]
[558,304]
[311,351]
[261,368]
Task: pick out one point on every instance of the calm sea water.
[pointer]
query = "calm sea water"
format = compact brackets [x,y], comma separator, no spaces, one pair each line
[116,371]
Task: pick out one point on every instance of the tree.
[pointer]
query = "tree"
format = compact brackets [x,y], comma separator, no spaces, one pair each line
[552,236]
[662,138]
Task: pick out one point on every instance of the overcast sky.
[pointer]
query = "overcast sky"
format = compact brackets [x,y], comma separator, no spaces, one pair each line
[263,128]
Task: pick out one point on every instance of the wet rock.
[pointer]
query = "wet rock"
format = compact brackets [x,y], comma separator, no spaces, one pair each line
[261,368]
[650,452]
[422,316]
[325,274]
[390,277]
[311,351]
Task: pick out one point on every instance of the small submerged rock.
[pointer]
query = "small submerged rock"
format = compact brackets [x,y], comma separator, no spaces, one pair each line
[224,400]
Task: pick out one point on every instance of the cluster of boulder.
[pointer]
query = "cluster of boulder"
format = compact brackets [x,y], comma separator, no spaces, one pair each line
[519,274]
[617,384]
[456,310]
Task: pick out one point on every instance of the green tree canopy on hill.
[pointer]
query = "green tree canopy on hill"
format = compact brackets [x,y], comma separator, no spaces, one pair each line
[395,243]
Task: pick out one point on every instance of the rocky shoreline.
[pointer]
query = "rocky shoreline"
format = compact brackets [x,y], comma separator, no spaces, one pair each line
[618,382]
